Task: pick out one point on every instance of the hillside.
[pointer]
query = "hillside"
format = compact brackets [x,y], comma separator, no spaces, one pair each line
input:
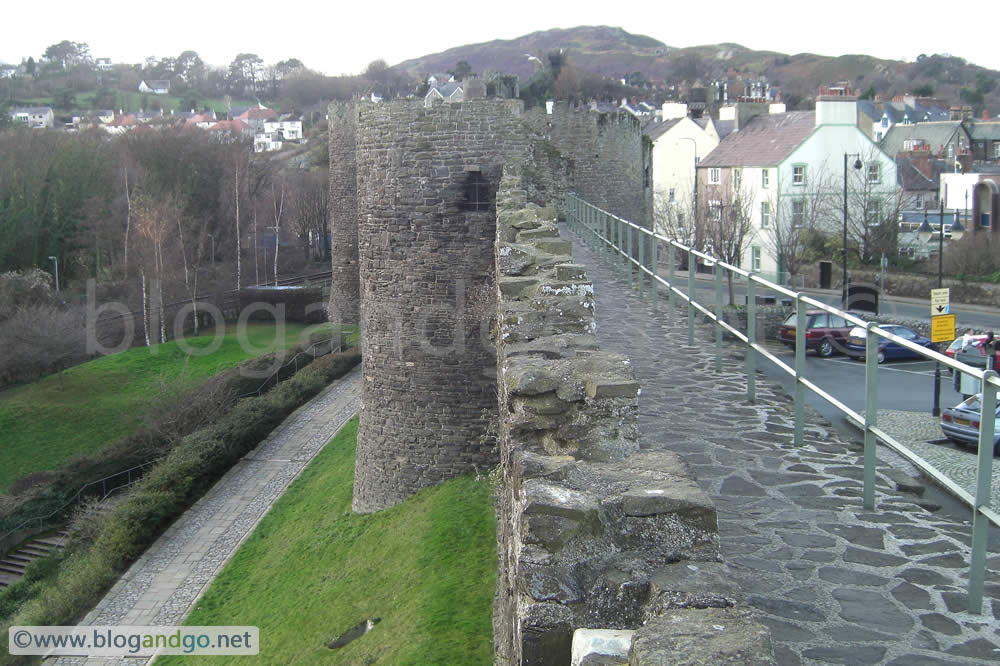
[611,51]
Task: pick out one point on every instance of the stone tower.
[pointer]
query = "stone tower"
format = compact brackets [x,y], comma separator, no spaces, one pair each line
[345,296]
[427,180]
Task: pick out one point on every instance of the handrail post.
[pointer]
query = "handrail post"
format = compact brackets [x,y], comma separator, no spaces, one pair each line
[871,414]
[984,471]
[628,253]
[750,359]
[670,278]
[690,297]
[800,368]
[718,316]
[642,260]
[656,271]
[604,234]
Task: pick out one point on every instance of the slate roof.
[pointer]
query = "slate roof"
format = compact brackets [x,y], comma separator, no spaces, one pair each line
[912,180]
[935,135]
[765,141]
[655,130]
[985,131]
[724,128]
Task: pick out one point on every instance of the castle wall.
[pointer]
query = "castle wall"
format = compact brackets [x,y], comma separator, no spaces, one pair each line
[611,161]
[427,290]
[345,295]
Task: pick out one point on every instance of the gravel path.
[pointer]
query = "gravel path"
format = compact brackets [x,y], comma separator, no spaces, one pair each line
[836,584]
[161,586]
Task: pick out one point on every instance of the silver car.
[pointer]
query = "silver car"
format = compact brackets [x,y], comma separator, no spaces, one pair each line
[960,424]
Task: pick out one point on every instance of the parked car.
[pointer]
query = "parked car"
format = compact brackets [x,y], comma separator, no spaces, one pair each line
[886,348]
[826,333]
[960,423]
[976,344]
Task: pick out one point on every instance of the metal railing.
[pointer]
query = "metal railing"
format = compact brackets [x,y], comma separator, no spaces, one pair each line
[625,244]
[309,351]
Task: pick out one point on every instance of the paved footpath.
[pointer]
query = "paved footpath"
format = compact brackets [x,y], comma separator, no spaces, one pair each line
[835,584]
[161,586]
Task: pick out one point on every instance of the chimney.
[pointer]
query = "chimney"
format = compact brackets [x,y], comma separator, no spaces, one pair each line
[836,110]
[747,111]
[921,161]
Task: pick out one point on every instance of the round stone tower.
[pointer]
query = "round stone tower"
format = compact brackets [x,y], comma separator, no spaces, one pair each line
[427,180]
[345,294]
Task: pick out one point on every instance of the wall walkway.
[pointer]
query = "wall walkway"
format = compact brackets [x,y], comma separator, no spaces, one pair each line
[836,585]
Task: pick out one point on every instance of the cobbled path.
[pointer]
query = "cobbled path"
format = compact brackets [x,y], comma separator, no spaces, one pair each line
[162,586]
[836,584]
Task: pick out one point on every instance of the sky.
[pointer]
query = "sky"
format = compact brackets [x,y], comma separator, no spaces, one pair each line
[343,37]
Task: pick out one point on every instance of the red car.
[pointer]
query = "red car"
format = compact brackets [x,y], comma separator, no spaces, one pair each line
[977,344]
[826,333]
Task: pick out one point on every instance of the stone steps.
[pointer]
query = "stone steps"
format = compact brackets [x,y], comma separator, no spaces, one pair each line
[13,565]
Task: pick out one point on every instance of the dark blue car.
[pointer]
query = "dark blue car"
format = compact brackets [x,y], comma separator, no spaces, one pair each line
[886,349]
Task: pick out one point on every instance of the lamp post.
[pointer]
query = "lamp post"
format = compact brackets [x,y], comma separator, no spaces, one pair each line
[924,233]
[55,262]
[694,146]
[843,250]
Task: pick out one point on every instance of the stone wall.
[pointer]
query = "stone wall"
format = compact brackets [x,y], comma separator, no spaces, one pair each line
[427,290]
[345,296]
[594,531]
[611,159]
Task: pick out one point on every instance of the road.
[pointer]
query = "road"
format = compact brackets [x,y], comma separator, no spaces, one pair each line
[902,385]
[968,316]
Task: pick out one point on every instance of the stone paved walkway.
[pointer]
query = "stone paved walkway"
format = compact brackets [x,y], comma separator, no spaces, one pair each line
[162,586]
[836,585]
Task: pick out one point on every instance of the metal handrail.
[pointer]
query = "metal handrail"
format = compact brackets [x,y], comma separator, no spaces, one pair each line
[612,237]
[309,351]
[105,492]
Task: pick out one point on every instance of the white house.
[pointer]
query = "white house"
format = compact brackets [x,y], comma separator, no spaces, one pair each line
[286,129]
[160,87]
[36,117]
[785,172]
[447,93]
[103,64]
[678,143]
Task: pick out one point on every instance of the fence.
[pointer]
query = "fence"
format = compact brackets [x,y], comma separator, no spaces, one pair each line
[635,251]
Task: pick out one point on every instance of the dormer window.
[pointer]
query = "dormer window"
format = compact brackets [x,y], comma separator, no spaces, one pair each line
[885,121]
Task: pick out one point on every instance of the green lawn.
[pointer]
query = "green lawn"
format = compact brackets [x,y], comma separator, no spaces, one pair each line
[312,570]
[45,425]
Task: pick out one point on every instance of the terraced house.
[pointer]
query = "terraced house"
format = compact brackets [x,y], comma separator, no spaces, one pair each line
[782,175]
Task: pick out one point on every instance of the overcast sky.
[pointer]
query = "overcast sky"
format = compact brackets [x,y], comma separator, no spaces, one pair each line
[342,37]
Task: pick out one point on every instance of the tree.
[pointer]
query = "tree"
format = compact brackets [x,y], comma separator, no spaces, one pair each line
[244,72]
[66,54]
[724,224]
[874,207]
[462,70]
[794,225]
[924,90]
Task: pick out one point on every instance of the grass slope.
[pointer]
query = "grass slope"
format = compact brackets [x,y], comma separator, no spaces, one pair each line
[313,570]
[45,424]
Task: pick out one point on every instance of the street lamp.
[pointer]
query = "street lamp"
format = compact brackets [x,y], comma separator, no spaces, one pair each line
[694,146]
[55,262]
[924,233]
[843,250]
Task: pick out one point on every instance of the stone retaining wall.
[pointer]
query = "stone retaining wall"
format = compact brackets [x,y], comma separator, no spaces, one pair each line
[594,530]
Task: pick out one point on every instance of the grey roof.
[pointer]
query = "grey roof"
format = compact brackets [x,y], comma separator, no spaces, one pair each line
[935,135]
[912,180]
[724,128]
[985,131]
[446,89]
[158,83]
[765,141]
[34,110]
[655,130]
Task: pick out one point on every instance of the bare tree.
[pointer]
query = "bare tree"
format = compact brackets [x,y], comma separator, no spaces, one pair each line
[794,222]
[725,223]
[874,207]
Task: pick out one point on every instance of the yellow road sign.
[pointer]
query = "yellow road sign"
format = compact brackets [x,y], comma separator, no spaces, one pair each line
[943,328]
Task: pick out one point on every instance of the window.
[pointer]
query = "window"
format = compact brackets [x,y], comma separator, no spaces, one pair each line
[996,150]
[885,122]
[714,176]
[715,210]
[755,258]
[874,213]
[765,214]
[477,195]
[672,195]
[737,178]
[874,172]
[836,321]
[878,136]
[798,214]
[765,178]
[799,174]
[919,204]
